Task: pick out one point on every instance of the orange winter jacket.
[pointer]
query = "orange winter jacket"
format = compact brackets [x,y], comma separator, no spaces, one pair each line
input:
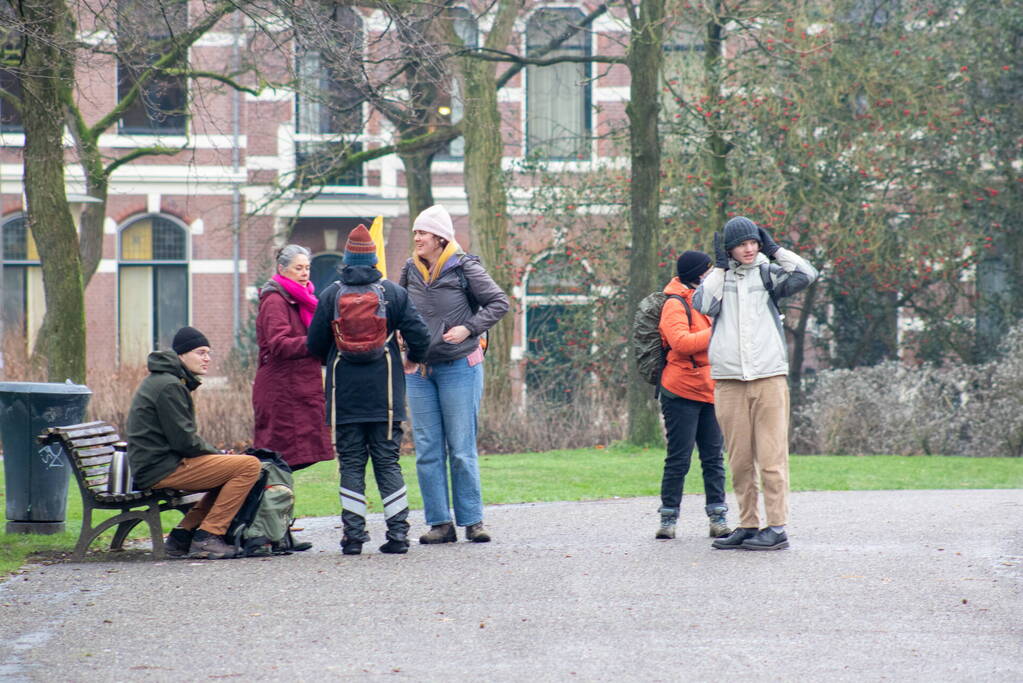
[685,345]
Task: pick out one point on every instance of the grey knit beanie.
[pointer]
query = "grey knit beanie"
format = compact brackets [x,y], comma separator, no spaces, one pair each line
[738,230]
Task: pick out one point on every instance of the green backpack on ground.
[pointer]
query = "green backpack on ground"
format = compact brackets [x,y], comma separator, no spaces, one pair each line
[263,523]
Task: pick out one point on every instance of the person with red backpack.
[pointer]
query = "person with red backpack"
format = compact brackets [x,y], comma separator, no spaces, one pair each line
[353,332]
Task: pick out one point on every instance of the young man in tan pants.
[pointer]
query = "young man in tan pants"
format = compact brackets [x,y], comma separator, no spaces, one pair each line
[165,451]
[749,363]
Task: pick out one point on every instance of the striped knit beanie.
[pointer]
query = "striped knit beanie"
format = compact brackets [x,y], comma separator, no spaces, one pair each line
[360,250]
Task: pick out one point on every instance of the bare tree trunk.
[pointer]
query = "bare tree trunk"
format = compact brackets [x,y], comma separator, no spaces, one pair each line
[484,150]
[799,346]
[418,181]
[717,147]
[488,212]
[644,59]
[49,65]
[90,227]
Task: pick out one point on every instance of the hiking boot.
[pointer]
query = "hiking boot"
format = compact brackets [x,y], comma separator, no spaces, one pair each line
[397,544]
[718,524]
[178,542]
[477,533]
[439,533]
[767,539]
[734,540]
[349,546]
[207,546]
[667,528]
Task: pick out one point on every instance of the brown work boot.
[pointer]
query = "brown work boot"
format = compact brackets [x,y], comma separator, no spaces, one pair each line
[207,546]
[439,533]
[477,533]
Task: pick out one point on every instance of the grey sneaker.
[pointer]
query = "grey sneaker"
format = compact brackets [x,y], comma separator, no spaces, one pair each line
[207,546]
[718,525]
[439,533]
[667,528]
[477,533]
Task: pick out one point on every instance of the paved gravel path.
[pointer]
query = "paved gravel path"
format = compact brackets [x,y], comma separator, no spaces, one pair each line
[904,585]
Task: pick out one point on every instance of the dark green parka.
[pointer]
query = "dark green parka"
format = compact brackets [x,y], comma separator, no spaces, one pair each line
[161,421]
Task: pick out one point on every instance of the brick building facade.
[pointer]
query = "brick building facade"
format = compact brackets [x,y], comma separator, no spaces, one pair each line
[189,237]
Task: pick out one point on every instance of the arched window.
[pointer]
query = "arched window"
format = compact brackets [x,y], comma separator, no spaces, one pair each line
[558,96]
[558,326]
[329,101]
[153,285]
[24,303]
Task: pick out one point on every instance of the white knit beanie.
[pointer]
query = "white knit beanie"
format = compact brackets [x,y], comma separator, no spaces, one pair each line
[437,221]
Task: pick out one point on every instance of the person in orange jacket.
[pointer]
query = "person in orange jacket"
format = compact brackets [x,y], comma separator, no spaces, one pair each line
[687,400]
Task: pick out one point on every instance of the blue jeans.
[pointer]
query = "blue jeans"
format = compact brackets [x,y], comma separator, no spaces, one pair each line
[444,406]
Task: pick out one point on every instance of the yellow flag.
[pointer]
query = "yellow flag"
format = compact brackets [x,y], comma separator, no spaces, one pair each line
[377,233]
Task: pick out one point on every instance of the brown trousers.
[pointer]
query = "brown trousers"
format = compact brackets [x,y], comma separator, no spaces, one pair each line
[754,417]
[227,480]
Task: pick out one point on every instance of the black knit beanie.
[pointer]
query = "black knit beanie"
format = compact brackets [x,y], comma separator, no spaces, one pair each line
[188,339]
[691,265]
[738,230]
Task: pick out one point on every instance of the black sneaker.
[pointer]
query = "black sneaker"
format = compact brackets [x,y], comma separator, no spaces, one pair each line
[767,539]
[178,542]
[734,540]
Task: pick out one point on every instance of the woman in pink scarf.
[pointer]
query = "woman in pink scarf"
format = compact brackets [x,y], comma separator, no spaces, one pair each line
[287,396]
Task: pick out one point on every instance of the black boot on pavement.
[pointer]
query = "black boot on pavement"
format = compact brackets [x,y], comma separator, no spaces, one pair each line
[477,533]
[439,533]
[207,546]
[397,544]
[734,540]
[349,546]
[767,539]
[178,542]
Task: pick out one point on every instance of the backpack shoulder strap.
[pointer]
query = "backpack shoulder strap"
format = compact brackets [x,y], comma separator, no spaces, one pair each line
[403,278]
[463,282]
[689,317]
[765,276]
[685,304]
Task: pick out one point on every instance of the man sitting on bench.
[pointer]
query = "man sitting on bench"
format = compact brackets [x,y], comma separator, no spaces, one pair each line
[165,452]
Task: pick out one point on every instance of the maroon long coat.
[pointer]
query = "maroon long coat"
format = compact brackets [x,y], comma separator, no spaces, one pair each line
[287,396]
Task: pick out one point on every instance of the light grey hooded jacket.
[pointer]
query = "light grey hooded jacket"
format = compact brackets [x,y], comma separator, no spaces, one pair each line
[748,341]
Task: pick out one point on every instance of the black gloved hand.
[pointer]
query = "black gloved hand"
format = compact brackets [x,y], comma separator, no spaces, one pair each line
[720,255]
[767,243]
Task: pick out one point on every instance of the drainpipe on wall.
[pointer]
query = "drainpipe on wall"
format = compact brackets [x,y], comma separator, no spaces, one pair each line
[236,191]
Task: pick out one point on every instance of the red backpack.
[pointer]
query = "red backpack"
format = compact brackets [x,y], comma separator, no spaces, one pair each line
[360,328]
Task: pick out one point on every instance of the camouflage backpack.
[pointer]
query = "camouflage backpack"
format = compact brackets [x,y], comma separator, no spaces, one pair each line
[647,350]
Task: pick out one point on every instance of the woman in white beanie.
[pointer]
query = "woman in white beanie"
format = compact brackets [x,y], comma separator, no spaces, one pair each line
[459,302]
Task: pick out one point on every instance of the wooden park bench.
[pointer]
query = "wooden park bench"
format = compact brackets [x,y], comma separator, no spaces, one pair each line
[92,448]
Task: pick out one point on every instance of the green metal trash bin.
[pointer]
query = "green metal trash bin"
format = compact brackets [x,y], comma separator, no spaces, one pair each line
[37,476]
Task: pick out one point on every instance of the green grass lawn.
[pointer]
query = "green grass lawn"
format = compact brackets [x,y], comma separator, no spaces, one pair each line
[591,474]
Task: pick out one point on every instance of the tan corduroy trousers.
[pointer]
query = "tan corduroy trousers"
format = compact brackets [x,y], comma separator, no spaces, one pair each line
[227,480]
[754,417]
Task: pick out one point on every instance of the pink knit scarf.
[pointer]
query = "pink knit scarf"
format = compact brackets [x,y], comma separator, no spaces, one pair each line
[305,296]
